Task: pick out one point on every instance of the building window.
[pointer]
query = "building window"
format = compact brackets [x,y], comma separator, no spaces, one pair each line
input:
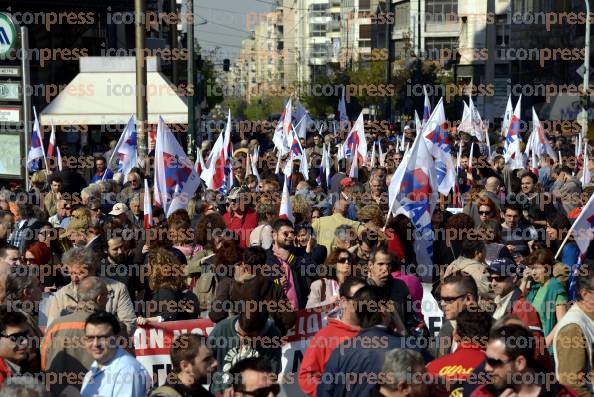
[434,46]
[319,50]
[318,10]
[365,36]
[441,11]
[317,30]
[502,31]
[402,17]
[364,5]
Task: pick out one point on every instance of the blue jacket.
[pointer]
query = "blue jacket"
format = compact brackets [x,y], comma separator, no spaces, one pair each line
[353,367]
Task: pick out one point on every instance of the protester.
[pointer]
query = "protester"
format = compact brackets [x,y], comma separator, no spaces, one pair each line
[253,376]
[404,372]
[81,263]
[62,358]
[574,336]
[114,372]
[470,335]
[546,294]
[333,273]
[250,334]
[458,292]
[192,365]
[512,368]
[357,358]
[329,337]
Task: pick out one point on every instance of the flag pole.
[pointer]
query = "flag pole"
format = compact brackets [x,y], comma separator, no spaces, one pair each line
[573,226]
[566,238]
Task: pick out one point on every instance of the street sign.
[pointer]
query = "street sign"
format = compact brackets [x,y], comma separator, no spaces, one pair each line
[10,114]
[10,71]
[10,91]
[8,34]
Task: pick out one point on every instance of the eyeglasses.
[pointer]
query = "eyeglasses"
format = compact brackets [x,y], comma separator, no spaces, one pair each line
[343,260]
[497,278]
[484,212]
[17,337]
[263,391]
[24,259]
[450,299]
[495,362]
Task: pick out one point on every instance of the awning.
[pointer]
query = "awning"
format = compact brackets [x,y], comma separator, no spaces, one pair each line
[104,92]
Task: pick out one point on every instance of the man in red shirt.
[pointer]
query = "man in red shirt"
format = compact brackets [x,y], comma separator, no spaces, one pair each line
[328,338]
[471,334]
[240,217]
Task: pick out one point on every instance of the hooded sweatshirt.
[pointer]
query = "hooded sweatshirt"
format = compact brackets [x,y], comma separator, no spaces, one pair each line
[319,349]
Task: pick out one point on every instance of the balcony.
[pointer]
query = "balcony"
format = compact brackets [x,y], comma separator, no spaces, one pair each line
[334,26]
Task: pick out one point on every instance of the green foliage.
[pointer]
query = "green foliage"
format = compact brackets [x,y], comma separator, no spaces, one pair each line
[260,108]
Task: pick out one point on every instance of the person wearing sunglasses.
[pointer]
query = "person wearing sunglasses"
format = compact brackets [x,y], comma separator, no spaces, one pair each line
[471,333]
[504,276]
[333,272]
[512,367]
[14,342]
[457,292]
[253,377]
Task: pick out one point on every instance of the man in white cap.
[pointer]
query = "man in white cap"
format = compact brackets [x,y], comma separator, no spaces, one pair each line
[119,213]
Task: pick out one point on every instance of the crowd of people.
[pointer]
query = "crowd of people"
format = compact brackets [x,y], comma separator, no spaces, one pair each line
[79,273]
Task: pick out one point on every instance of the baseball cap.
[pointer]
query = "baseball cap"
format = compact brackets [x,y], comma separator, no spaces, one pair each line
[235,192]
[118,209]
[503,267]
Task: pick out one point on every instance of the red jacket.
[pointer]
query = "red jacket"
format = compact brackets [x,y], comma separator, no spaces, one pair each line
[242,226]
[319,350]
[455,368]
[4,371]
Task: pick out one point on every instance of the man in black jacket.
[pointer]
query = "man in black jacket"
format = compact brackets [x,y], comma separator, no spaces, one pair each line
[292,267]
[381,262]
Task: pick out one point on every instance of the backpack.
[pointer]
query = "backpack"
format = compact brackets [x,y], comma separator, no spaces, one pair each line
[205,288]
[164,391]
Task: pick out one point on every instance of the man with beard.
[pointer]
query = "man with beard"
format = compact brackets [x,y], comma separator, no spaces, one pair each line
[292,267]
[511,366]
[117,264]
[193,363]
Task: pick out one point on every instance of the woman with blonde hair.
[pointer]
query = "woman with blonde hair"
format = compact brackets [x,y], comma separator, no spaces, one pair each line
[171,300]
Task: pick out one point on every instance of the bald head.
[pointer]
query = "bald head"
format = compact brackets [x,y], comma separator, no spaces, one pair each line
[92,290]
[340,207]
[492,184]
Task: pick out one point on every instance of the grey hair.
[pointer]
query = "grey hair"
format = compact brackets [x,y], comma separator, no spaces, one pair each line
[96,287]
[135,197]
[92,190]
[80,255]
[400,366]
[22,386]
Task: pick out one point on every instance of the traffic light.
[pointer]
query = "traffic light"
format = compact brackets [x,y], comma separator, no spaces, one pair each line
[226,64]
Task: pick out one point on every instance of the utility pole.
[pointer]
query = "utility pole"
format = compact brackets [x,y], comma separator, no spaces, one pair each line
[587,57]
[141,112]
[389,29]
[191,81]
[173,41]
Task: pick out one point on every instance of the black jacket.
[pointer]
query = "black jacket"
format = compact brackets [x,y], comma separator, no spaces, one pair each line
[303,268]
[397,292]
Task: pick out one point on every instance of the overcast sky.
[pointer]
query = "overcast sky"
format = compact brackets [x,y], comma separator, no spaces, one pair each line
[228,23]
